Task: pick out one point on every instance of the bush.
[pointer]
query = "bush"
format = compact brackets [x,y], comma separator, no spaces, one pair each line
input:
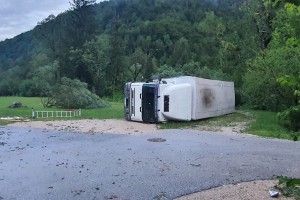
[290,118]
[261,87]
[73,94]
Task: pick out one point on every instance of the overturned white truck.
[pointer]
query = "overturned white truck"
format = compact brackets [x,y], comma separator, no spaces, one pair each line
[181,98]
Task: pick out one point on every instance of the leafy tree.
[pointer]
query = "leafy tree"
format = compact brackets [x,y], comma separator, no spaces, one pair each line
[209,45]
[40,82]
[55,41]
[149,67]
[8,87]
[80,27]
[115,70]
[288,36]
[260,83]
[96,58]
[74,94]
[181,52]
[27,88]
[281,59]
[138,61]
[11,79]
[47,32]
[166,71]
[262,14]
[291,116]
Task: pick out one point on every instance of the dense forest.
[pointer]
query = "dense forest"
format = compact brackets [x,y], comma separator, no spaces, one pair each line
[255,43]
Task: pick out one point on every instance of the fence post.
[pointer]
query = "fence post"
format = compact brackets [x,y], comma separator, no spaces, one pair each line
[32,111]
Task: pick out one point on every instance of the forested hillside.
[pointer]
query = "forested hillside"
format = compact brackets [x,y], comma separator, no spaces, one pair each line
[251,42]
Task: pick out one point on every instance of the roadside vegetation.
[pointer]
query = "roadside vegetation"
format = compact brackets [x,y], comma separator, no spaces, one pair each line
[114,111]
[260,123]
[289,187]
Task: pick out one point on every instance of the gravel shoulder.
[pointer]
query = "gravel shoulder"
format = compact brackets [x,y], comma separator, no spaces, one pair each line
[91,126]
[246,190]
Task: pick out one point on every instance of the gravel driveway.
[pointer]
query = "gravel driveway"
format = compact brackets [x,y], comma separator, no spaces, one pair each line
[51,164]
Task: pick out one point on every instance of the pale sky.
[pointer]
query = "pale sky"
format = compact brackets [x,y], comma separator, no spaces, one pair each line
[18,16]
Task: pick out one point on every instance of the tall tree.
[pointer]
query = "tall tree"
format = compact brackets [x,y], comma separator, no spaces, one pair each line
[263,13]
[83,22]
[116,69]
[53,33]
[137,64]
[149,67]
[280,60]
[96,58]
[81,27]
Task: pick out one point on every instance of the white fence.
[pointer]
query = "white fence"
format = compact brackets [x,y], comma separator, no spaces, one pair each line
[53,114]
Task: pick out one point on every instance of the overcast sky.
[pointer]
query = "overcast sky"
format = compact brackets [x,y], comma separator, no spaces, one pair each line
[18,16]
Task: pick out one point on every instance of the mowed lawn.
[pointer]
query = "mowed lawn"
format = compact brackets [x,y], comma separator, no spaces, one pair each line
[113,112]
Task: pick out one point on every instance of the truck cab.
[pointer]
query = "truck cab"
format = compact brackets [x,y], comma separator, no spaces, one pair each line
[157,102]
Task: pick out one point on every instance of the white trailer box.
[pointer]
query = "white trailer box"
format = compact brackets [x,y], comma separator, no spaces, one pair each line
[182,98]
[209,98]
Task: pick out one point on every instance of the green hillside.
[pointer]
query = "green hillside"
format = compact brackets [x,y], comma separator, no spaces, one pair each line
[253,43]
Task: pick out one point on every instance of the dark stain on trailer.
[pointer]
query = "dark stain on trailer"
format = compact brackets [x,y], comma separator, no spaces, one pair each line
[208,97]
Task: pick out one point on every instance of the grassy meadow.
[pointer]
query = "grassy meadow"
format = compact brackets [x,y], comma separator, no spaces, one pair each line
[266,125]
[261,123]
[114,112]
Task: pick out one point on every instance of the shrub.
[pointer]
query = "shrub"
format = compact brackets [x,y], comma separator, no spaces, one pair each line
[262,90]
[72,94]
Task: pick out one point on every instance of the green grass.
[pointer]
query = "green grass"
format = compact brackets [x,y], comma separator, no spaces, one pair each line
[266,125]
[115,111]
[289,187]
[260,123]
[20,112]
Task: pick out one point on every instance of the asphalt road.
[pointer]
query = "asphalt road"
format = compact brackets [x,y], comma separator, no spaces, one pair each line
[40,164]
